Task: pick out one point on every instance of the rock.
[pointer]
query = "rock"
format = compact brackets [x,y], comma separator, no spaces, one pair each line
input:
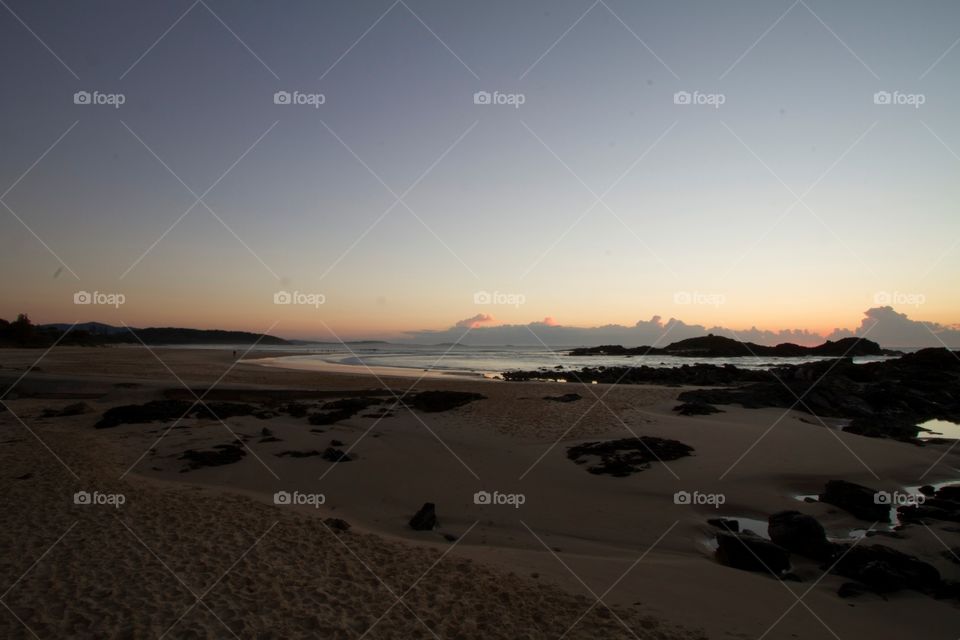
[298,454]
[949,492]
[751,553]
[856,499]
[336,443]
[294,409]
[567,397]
[336,455]
[799,533]
[337,524]
[884,570]
[425,519]
[436,401]
[220,455]
[627,455]
[727,524]
[141,413]
[75,409]
[927,490]
[696,409]
[223,410]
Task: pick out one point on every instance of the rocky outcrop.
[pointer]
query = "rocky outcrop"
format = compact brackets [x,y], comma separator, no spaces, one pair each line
[884,570]
[628,455]
[436,401]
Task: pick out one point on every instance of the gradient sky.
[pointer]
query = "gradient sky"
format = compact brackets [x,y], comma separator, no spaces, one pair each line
[696,200]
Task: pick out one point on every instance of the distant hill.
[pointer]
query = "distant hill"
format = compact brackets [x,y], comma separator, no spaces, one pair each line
[711,346]
[23,333]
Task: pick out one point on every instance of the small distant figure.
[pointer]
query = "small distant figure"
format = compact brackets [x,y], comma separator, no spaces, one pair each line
[234,354]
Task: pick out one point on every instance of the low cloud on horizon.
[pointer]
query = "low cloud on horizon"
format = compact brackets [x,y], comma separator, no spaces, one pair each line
[884,325]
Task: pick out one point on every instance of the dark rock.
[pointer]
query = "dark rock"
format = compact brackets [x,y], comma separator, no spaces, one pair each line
[223,410]
[25,476]
[75,409]
[799,533]
[751,553]
[425,519]
[949,492]
[141,413]
[567,397]
[884,570]
[294,409]
[449,537]
[337,524]
[336,455]
[727,524]
[628,455]
[931,509]
[298,454]
[437,401]
[336,443]
[856,499]
[220,455]
[927,490]
[696,409]
[343,409]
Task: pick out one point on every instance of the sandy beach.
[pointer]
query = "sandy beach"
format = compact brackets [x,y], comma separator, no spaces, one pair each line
[583,556]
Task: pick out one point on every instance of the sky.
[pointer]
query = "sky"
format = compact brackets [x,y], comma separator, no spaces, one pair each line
[397,169]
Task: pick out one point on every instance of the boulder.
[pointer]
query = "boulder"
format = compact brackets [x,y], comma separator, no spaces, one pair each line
[799,533]
[751,553]
[425,519]
[884,569]
[856,499]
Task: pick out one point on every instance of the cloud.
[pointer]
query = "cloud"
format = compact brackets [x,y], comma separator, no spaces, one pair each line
[475,322]
[890,329]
